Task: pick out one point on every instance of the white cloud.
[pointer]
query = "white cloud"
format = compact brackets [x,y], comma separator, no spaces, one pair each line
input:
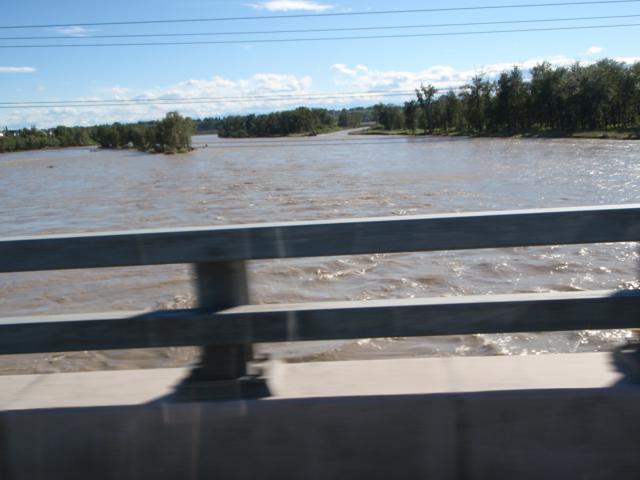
[291,5]
[628,60]
[235,96]
[119,92]
[352,72]
[17,69]
[594,50]
[283,91]
[73,31]
[363,78]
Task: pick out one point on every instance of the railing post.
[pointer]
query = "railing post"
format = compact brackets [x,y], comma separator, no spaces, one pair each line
[222,371]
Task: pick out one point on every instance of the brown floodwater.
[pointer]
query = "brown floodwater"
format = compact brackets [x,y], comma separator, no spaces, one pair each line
[228,181]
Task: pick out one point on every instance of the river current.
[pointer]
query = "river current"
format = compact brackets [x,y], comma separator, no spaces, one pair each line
[228,181]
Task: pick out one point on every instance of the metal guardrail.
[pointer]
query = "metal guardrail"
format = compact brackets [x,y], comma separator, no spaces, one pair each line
[226,325]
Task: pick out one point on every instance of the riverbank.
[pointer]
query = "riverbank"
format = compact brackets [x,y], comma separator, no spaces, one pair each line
[619,134]
[309,133]
[94,147]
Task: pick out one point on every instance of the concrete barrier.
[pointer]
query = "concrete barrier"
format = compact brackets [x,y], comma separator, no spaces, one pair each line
[447,431]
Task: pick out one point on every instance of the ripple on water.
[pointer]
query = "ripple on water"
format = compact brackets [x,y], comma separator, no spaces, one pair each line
[105,190]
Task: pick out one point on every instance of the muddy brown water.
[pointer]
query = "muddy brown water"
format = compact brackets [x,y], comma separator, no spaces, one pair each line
[324,177]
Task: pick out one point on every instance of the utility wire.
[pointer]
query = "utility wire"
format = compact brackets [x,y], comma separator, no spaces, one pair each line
[202,100]
[318,39]
[318,30]
[244,97]
[335,14]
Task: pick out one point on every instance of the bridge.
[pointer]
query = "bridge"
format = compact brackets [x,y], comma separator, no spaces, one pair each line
[208,399]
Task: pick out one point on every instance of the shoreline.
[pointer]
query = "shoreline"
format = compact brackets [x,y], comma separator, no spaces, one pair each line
[96,148]
[316,133]
[580,135]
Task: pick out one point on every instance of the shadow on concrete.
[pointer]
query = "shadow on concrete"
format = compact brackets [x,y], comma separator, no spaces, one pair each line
[626,359]
[568,433]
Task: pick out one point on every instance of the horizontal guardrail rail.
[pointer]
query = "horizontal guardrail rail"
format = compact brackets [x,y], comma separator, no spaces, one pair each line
[533,312]
[227,325]
[323,238]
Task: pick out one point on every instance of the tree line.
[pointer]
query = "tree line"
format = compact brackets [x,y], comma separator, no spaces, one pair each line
[207,125]
[301,121]
[600,96]
[169,135]
[33,139]
[284,123]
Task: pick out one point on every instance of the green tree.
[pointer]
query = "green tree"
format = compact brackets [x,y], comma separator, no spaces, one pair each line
[451,109]
[425,100]
[174,133]
[546,94]
[389,117]
[410,110]
[511,101]
[477,103]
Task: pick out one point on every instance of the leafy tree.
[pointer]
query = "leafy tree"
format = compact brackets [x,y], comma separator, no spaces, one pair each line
[425,100]
[452,110]
[477,103]
[410,111]
[511,101]
[343,118]
[546,94]
[174,133]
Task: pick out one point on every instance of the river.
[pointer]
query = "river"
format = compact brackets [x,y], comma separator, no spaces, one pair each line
[230,181]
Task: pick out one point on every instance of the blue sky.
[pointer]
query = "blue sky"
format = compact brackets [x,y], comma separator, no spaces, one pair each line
[296,68]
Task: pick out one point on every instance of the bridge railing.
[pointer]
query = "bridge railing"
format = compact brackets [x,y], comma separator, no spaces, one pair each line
[226,325]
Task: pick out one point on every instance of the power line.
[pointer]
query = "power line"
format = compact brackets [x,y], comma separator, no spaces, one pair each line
[317,39]
[244,97]
[318,30]
[335,14]
[203,100]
